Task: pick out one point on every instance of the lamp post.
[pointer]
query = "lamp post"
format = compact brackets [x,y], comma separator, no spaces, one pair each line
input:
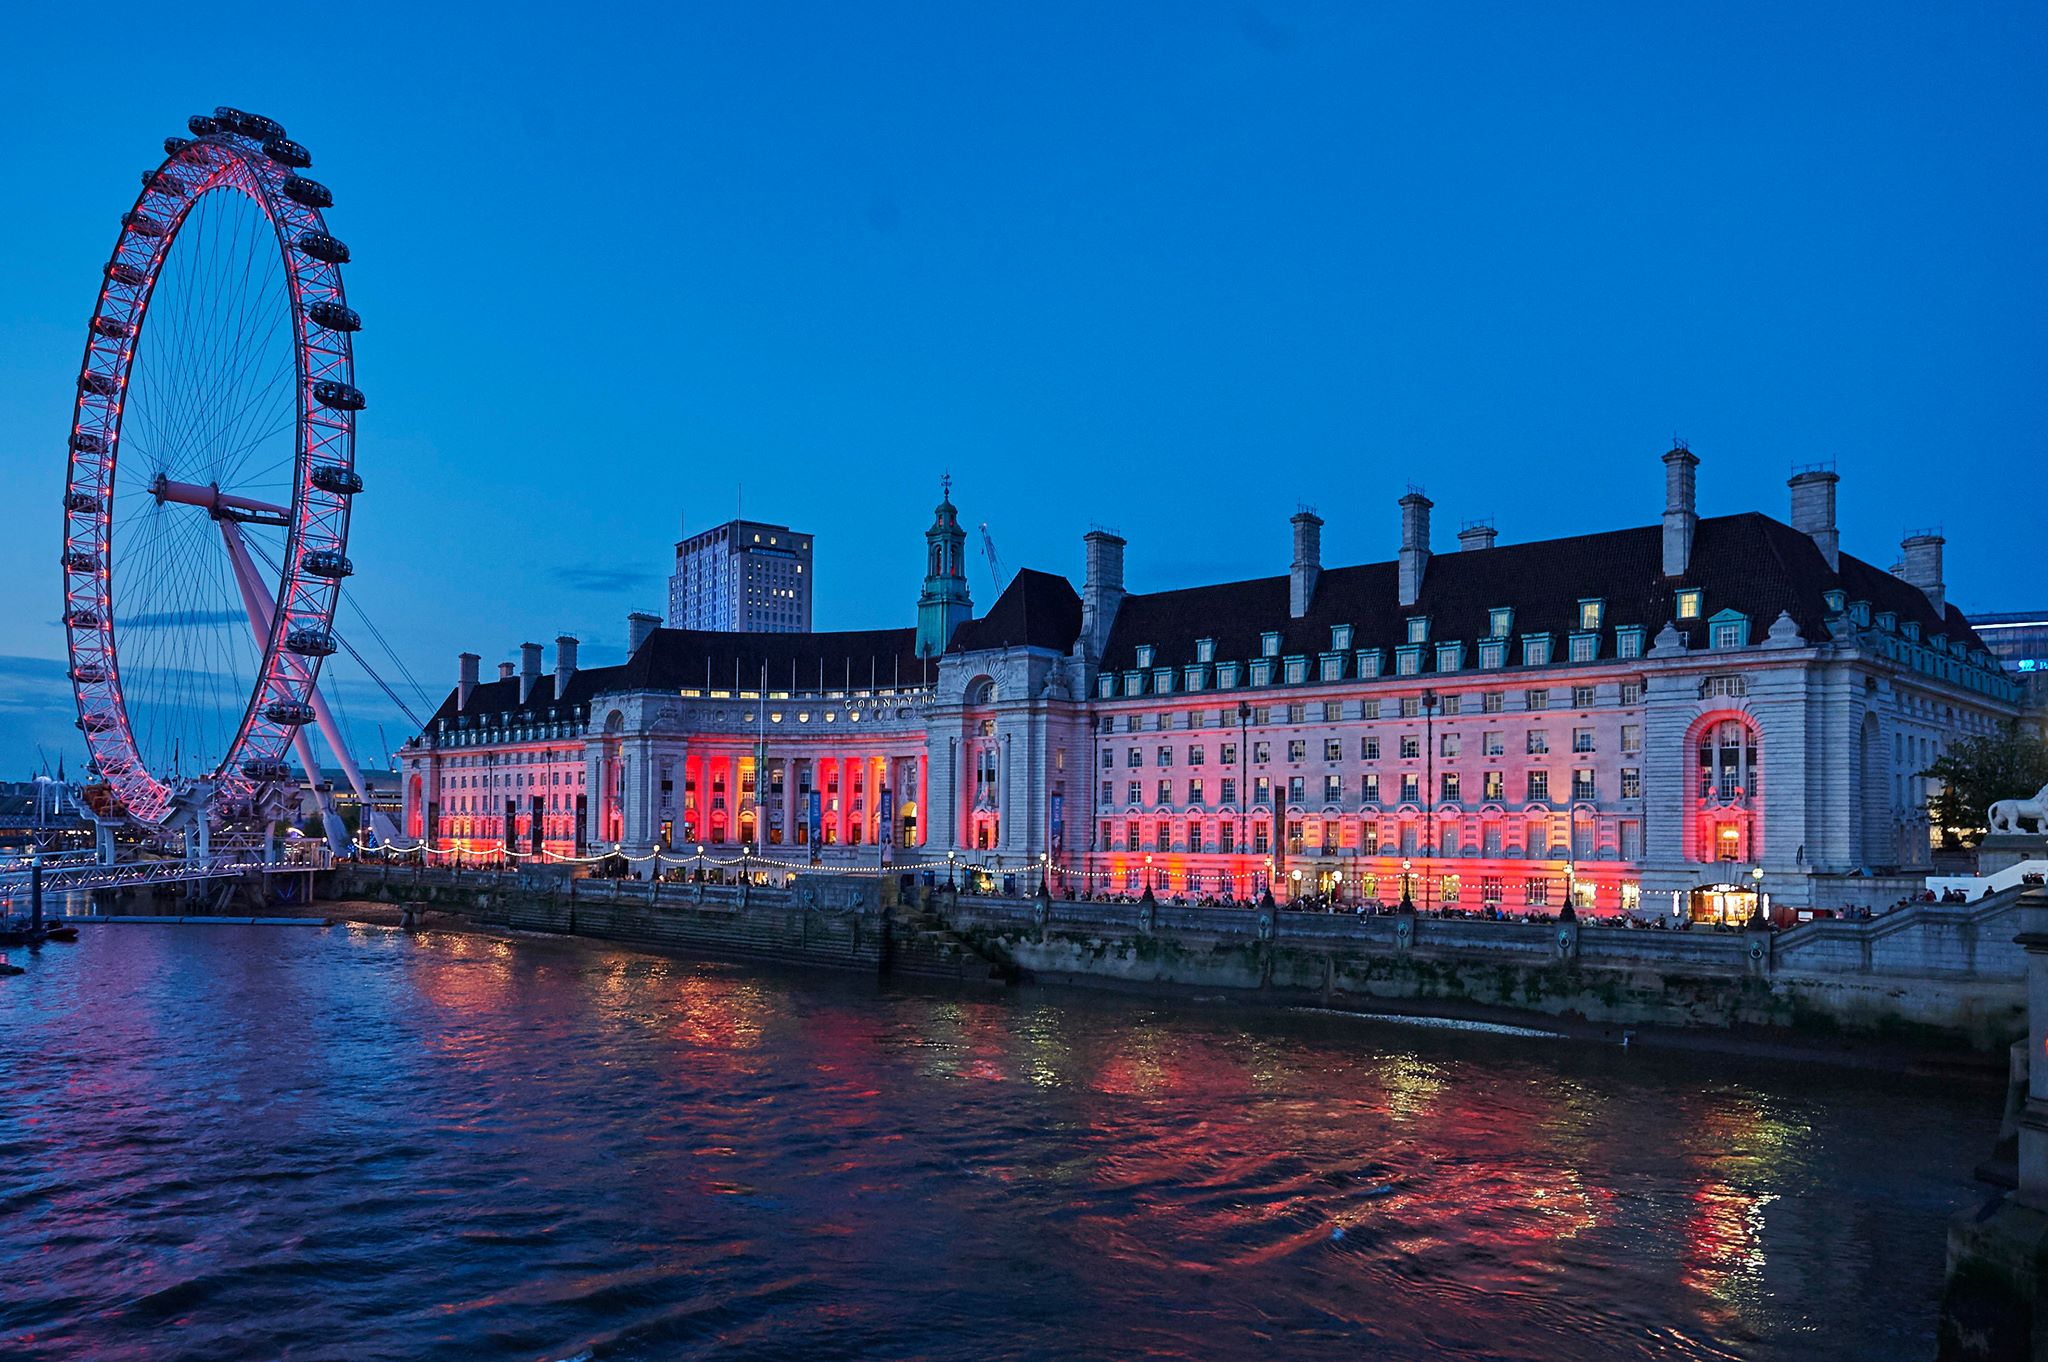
[1244,783]
[950,855]
[1407,903]
[1428,789]
[1756,915]
[1294,893]
[1148,872]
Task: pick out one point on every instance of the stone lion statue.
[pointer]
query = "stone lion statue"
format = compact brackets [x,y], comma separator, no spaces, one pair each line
[2005,815]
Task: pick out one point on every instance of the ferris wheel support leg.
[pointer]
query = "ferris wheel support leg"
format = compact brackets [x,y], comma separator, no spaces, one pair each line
[256,599]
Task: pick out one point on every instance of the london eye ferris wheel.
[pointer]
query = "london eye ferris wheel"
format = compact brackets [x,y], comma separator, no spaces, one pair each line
[210,477]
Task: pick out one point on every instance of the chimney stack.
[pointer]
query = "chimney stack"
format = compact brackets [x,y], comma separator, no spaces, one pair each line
[1813,509]
[1102,589]
[469,662]
[505,671]
[1476,534]
[529,669]
[1414,544]
[1681,518]
[1308,561]
[565,664]
[640,627]
[1921,555]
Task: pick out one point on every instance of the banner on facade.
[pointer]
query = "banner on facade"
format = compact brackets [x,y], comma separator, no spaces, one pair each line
[887,799]
[814,816]
[1059,823]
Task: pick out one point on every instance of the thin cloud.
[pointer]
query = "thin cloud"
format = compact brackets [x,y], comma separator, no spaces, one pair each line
[590,577]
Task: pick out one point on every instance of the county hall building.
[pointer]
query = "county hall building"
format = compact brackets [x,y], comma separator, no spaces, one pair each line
[1666,719]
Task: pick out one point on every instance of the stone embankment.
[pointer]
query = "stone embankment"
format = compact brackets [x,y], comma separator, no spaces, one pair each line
[1950,974]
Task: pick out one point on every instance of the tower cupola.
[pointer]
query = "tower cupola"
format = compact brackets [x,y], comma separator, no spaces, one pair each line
[944,605]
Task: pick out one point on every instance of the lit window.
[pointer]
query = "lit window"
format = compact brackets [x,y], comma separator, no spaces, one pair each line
[1689,604]
[1500,622]
[1589,614]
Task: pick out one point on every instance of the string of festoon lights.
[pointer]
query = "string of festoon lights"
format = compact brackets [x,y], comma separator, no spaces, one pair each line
[745,862]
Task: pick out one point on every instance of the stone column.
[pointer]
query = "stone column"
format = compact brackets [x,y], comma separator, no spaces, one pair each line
[2033,1149]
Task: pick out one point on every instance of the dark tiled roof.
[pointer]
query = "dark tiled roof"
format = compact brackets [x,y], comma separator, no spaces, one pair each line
[500,697]
[1036,610]
[1749,563]
[692,658]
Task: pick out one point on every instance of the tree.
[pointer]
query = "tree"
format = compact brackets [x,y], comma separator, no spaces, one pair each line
[1977,772]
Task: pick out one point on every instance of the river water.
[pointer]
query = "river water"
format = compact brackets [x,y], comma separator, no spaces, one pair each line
[230,1142]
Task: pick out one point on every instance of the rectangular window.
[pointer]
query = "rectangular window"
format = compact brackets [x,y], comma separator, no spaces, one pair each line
[1631,692]
[1262,714]
[1369,788]
[1500,622]
[1539,786]
[1537,741]
[1296,713]
[1369,749]
[1137,757]
[1584,647]
[1229,784]
[1493,656]
[1411,745]
[1228,753]
[1340,637]
[1166,756]
[1262,750]
[1226,838]
[1269,644]
[1726,635]
[1628,643]
[1496,789]
[1132,721]
[1195,837]
[1452,704]
[1631,738]
[1333,710]
[1589,614]
[1297,670]
[1197,755]
[1536,892]
[1536,650]
[1582,740]
[1333,789]
[1368,709]
[1297,789]
[1166,792]
[1297,748]
[1536,699]
[1109,792]
[1407,661]
[1131,842]
[1582,783]
[1262,790]
[1411,788]
[1136,790]
[1418,629]
[1450,744]
[1689,604]
[1631,782]
[1262,838]
[1493,702]
[1584,697]
[1333,749]
[1449,783]
[1631,840]
[1449,656]
[1197,718]
[1369,664]
[1493,743]
[1108,758]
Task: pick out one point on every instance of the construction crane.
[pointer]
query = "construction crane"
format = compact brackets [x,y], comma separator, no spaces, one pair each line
[995,564]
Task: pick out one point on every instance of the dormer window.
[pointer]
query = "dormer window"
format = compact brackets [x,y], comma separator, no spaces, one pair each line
[1205,650]
[1583,647]
[1418,629]
[1408,659]
[1888,621]
[1340,637]
[1144,654]
[1912,630]
[1628,641]
[1590,612]
[1535,650]
[1859,611]
[1689,603]
[1269,643]
[1369,662]
[1493,655]
[1729,629]
[1837,599]
[1500,622]
[1297,670]
[1226,675]
[1450,656]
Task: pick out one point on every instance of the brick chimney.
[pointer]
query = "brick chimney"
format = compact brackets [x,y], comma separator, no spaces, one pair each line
[505,671]
[1414,544]
[468,663]
[1920,556]
[1477,534]
[1681,516]
[529,670]
[1102,589]
[565,664]
[1308,561]
[1813,509]
[640,627]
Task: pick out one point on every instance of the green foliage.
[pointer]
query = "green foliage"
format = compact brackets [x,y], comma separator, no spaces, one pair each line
[1977,772]
[314,825]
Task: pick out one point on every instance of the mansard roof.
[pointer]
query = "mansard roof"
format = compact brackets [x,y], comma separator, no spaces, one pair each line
[502,697]
[1036,610]
[1747,562]
[687,659]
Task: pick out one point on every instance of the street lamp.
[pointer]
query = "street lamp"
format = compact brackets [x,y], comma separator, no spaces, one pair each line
[949,868]
[1428,788]
[1244,783]
[1294,894]
[1148,871]
[1756,916]
[1407,904]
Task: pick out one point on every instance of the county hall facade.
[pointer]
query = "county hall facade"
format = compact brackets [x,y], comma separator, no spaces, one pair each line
[1666,719]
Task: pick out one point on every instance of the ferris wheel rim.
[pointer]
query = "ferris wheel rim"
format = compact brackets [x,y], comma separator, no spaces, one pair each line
[249,155]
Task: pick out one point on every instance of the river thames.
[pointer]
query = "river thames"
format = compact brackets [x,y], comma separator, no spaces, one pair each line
[221,1143]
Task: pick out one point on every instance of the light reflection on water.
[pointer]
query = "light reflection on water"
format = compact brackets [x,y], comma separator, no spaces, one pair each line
[244,1143]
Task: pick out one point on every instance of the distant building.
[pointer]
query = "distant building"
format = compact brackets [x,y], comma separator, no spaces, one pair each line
[1674,718]
[2018,638]
[742,577]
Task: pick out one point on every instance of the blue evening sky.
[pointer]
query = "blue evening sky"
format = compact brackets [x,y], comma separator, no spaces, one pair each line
[1170,267]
